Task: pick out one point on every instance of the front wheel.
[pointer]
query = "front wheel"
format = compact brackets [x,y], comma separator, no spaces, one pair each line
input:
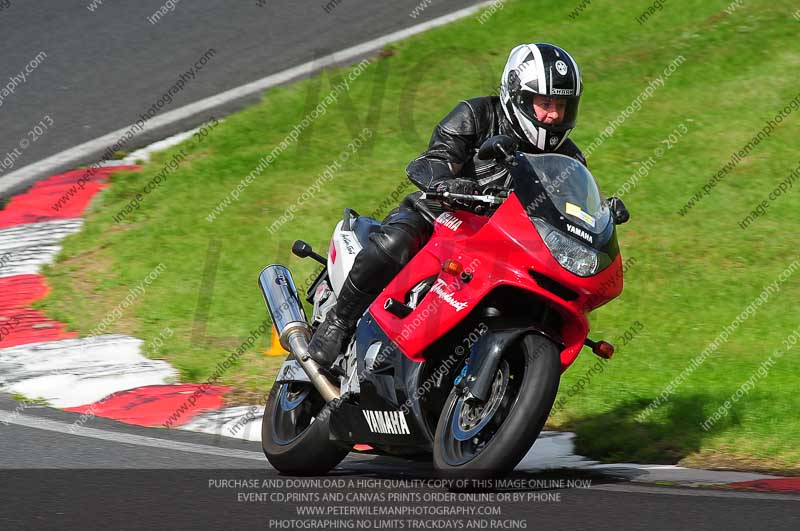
[295,431]
[484,439]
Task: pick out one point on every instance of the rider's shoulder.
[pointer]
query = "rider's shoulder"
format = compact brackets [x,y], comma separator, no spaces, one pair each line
[484,108]
[483,104]
[469,115]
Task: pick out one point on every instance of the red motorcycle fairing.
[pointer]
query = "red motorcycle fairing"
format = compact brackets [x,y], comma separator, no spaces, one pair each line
[501,250]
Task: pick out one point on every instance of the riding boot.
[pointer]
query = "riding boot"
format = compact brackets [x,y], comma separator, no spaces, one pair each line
[335,331]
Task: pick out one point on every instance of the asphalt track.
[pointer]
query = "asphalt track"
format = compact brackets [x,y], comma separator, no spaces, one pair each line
[116,476]
[103,68]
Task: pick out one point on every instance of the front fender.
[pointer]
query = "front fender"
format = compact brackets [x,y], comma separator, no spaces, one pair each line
[485,355]
[291,371]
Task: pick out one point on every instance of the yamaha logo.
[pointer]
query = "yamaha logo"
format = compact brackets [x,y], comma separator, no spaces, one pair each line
[553,140]
[580,232]
[281,281]
[393,422]
[561,67]
[450,221]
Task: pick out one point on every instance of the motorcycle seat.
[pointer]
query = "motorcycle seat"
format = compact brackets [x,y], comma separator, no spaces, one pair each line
[363,226]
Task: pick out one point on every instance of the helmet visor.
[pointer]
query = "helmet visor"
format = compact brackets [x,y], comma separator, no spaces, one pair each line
[554,113]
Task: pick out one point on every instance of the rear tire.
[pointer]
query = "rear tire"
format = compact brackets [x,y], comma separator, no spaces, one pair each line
[295,431]
[491,439]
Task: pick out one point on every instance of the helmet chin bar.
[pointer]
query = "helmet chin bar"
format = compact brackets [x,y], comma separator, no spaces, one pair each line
[536,135]
[529,132]
[539,136]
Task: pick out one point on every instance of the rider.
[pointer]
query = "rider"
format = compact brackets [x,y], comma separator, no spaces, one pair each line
[538,107]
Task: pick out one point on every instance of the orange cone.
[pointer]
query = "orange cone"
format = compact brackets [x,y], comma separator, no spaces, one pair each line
[275,349]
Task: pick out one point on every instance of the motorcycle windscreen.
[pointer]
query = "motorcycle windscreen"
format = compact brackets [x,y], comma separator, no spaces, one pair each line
[571,189]
[562,191]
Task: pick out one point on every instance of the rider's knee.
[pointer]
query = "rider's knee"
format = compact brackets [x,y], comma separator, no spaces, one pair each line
[396,242]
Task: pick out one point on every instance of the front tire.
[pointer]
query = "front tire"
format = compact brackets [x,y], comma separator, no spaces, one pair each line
[486,439]
[295,431]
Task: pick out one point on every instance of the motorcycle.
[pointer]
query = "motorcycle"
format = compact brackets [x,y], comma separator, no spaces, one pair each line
[461,355]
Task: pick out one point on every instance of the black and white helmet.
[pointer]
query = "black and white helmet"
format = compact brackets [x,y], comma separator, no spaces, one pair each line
[546,70]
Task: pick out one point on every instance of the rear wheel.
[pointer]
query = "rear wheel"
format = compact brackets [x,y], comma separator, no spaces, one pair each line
[484,439]
[295,431]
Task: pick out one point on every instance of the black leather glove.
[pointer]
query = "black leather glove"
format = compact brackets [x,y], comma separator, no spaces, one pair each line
[457,186]
[618,210]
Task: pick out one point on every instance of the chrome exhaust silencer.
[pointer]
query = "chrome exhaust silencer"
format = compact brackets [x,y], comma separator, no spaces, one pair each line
[290,321]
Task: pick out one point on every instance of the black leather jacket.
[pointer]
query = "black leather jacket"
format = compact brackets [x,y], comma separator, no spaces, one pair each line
[453,149]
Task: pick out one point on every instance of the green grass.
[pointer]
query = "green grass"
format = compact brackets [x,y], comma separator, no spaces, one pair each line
[28,401]
[693,275]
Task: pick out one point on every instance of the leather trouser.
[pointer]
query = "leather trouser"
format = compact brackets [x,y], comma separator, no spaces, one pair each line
[401,235]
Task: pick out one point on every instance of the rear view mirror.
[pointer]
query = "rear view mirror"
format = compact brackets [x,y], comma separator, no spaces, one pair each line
[618,211]
[497,147]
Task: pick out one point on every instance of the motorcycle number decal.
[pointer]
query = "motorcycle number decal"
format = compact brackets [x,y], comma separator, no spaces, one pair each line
[575,210]
[393,422]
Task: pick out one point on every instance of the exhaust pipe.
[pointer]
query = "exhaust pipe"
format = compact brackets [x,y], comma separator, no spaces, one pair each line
[290,321]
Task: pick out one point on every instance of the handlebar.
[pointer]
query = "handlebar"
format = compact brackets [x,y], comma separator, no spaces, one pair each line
[444,196]
[480,208]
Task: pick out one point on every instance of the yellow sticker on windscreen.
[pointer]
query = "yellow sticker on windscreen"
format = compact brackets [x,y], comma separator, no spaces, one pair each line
[575,210]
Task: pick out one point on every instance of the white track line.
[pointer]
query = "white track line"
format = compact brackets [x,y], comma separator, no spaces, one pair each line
[127,438]
[79,154]
[144,154]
